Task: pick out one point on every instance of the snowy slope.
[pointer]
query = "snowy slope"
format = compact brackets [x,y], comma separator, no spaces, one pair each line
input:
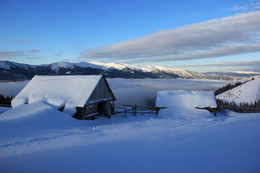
[38,138]
[67,65]
[246,93]
[182,104]
[106,66]
[4,65]
[4,109]
[8,64]
[56,66]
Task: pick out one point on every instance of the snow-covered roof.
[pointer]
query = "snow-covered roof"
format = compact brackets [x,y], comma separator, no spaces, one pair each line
[58,91]
[180,103]
[245,93]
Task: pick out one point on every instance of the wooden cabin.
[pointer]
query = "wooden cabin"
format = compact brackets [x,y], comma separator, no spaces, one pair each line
[82,96]
[100,102]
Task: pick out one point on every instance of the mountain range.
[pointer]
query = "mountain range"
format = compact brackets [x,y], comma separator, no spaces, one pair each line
[13,71]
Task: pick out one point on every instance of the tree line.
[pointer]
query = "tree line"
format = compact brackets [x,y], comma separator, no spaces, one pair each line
[5,100]
[227,87]
[242,107]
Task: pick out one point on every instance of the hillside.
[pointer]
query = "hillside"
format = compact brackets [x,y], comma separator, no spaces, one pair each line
[245,93]
[12,71]
[38,138]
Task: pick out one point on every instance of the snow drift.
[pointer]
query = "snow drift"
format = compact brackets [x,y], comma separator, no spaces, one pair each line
[182,104]
[35,116]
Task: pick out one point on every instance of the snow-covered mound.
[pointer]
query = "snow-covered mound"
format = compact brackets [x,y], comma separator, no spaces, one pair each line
[36,110]
[4,109]
[182,104]
[245,93]
[33,119]
[58,91]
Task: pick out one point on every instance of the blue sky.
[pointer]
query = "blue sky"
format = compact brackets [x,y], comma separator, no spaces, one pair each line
[200,35]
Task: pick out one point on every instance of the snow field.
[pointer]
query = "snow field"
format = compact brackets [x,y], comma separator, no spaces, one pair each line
[38,138]
[47,140]
[4,109]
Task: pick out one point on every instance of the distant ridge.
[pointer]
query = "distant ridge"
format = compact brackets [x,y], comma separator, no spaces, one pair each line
[12,71]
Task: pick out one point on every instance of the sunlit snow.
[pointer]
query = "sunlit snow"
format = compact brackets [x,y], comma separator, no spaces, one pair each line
[246,93]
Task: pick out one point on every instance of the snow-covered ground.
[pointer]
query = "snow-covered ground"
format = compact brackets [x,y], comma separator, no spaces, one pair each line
[38,138]
[245,93]
[4,109]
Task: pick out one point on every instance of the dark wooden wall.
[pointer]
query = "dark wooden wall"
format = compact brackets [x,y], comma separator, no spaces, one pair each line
[91,108]
[101,92]
[100,101]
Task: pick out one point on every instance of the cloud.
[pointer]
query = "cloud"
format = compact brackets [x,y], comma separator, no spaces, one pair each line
[230,63]
[240,8]
[33,58]
[18,41]
[214,38]
[34,51]
[253,5]
[58,54]
[10,54]
[253,65]
[17,53]
[233,49]
[195,14]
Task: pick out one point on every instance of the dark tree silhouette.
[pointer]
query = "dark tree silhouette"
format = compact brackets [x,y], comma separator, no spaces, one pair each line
[5,100]
[227,87]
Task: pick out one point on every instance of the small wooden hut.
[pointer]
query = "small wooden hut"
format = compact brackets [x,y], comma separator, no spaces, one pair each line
[83,97]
